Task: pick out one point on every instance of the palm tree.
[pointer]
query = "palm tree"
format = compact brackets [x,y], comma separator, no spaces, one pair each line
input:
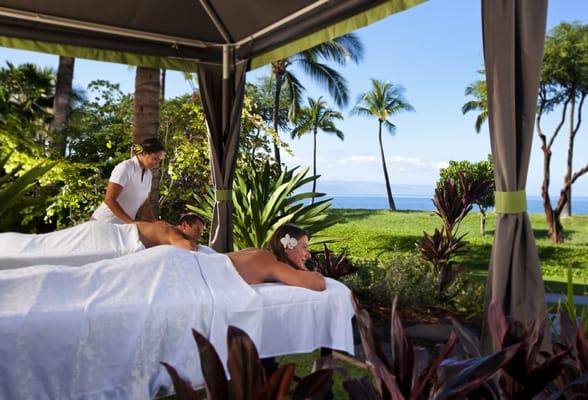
[382,101]
[317,116]
[479,91]
[62,102]
[338,50]
[146,117]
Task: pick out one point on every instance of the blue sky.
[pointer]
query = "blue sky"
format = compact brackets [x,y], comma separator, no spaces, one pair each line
[433,51]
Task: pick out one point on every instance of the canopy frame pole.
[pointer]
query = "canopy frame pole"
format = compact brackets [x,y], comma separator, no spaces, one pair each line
[94,27]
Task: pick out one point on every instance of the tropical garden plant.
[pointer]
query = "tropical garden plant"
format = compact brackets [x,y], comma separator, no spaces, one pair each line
[383,101]
[262,202]
[15,183]
[248,378]
[483,170]
[331,265]
[453,201]
[312,119]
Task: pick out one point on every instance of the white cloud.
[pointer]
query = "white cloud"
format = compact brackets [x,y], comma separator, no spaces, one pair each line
[358,159]
[404,164]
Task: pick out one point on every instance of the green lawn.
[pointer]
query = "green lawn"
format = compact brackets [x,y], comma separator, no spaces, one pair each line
[370,234]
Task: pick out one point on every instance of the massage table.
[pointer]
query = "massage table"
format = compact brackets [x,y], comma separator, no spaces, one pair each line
[100,331]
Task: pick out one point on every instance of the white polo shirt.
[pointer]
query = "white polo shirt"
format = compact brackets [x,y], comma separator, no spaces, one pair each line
[136,189]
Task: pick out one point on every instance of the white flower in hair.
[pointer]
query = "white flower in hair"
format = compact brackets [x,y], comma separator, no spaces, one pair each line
[288,242]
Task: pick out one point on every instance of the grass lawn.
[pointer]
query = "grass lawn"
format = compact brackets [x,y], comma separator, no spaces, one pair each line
[371,234]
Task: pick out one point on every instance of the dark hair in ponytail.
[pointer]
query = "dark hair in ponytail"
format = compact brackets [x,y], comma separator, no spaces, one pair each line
[148,146]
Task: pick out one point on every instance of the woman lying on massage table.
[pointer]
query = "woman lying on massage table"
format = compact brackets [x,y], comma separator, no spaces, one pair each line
[94,241]
[283,261]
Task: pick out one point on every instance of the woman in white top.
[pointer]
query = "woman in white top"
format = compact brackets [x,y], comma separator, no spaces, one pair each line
[129,186]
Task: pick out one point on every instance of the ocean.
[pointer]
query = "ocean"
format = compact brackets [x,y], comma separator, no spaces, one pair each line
[424,203]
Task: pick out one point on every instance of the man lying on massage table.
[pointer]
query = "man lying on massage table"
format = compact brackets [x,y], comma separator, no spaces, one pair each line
[94,241]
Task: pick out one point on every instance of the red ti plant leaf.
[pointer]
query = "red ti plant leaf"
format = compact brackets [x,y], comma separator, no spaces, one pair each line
[247,374]
[277,386]
[402,353]
[457,378]
[315,386]
[361,389]
[530,371]
[212,369]
[469,341]
[423,381]
[183,388]
[331,266]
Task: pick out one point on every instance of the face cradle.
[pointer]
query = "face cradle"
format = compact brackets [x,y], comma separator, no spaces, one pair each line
[299,254]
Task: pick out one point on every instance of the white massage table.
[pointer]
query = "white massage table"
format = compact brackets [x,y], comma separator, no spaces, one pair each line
[100,331]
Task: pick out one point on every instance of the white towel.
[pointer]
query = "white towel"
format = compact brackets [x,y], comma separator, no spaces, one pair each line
[82,244]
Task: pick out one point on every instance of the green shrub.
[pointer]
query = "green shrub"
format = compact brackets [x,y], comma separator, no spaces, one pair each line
[411,279]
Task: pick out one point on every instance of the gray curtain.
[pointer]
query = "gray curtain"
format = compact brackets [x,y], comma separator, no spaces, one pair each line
[514,33]
[223,101]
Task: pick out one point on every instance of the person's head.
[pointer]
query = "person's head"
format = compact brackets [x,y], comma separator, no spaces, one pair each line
[191,226]
[289,244]
[150,152]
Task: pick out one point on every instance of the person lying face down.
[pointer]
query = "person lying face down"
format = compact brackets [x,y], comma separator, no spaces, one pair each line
[184,235]
[283,260]
[94,241]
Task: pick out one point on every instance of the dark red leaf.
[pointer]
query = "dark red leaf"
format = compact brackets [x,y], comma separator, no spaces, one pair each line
[459,377]
[277,387]
[314,386]
[247,374]
[212,369]
[183,388]
[361,389]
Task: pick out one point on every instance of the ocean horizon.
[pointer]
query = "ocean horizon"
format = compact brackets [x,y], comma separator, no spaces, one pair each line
[425,203]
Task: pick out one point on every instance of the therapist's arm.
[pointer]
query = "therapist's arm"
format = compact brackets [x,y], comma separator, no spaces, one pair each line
[146,211]
[111,200]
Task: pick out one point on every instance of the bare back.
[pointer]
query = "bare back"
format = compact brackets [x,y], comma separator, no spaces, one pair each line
[260,265]
[160,232]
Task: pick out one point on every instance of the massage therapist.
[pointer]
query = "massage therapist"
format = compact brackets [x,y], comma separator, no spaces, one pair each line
[129,186]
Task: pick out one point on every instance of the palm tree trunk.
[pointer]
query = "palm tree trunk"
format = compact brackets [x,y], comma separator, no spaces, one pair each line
[146,118]
[391,204]
[62,102]
[314,134]
[275,113]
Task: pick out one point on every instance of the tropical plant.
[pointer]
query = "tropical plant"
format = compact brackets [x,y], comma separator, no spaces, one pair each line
[382,101]
[317,116]
[412,373]
[14,184]
[338,50]
[26,98]
[248,379]
[262,203]
[479,91]
[564,82]
[331,266]
[453,201]
[483,170]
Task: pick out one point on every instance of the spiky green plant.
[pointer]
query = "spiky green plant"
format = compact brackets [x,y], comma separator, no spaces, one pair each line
[262,202]
[13,186]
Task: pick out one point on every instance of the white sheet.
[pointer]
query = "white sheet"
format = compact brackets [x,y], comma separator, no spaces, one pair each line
[100,331]
[82,244]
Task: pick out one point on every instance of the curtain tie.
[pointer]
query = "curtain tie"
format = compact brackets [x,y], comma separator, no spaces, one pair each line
[223,195]
[510,202]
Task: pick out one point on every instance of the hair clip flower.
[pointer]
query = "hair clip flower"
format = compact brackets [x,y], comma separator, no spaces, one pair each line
[288,242]
[137,149]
